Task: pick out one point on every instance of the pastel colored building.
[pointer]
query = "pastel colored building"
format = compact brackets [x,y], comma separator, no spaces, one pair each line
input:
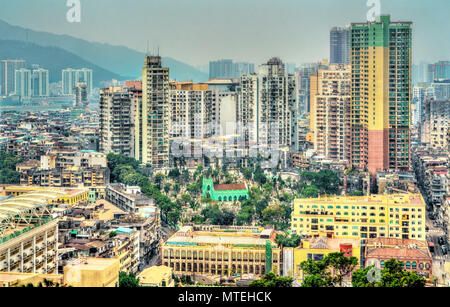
[398,216]
[224,192]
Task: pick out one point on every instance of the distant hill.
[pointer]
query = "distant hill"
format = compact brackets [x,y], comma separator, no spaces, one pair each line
[118,59]
[52,58]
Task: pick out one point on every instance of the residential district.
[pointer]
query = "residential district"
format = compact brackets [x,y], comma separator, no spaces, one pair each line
[253,178]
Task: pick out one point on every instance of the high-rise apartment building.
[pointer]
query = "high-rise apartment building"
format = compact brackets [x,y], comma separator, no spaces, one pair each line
[116,129]
[381,87]
[8,75]
[40,83]
[224,69]
[417,104]
[152,117]
[190,110]
[332,131]
[22,84]
[439,70]
[70,78]
[268,106]
[80,92]
[340,45]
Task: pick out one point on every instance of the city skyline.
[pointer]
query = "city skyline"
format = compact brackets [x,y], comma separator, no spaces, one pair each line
[251,33]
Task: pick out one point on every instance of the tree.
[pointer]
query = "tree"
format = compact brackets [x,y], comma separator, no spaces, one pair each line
[8,163]
[328,272]
[128,280]
[393,275]
[271,280]
[310,192]
[288,241]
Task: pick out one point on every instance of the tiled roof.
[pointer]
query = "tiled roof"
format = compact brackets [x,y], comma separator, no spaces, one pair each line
[230,187]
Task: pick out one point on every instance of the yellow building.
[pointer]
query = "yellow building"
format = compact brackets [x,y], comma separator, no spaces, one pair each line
[215,251]
[67,196]
[399,216]
[10,279]
[92,272]
[156,276]
[317,249]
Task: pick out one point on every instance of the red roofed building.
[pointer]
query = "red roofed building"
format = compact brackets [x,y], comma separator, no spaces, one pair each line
[414,254]
[224,192]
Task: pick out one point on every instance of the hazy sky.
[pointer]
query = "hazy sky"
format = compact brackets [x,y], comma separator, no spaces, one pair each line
[197,31]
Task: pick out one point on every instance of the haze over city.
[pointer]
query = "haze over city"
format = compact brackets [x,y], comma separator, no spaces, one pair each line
[197,31]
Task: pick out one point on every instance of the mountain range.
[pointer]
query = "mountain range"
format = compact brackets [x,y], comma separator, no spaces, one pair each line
[107,61]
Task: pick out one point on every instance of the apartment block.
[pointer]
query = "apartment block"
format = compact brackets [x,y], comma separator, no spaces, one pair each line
[116,121]
[381,87]
[152,117]
[268,106]
[332,131]
[399,216]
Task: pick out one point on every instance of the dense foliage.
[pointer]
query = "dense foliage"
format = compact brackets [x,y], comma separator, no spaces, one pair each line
[271,280]
[126,170]
[128,280]
[393,275]
[8,163]
[328,272]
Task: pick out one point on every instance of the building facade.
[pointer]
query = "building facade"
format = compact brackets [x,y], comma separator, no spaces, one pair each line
[400,216]
[116,121]
[152,117]
[332,131]
[340,45]
[212,250]
[381,87]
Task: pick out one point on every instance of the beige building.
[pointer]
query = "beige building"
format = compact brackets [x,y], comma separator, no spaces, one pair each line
[227,251]
[156,276]
[92,272]
[152,116]
[31,249]
[116,123]
[331,112]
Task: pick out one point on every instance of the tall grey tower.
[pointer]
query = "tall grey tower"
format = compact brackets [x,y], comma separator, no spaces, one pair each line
[340,45]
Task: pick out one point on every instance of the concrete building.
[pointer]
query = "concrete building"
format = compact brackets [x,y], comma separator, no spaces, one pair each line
[316,249]
[400,216]
[332,131]
[22,84]
[8,75]
[439,70]
[381,102]
[413,254]
[70,78]
[40,83]
[116,121]
[156,276]
[268,107]
[81,95]
[92,272]
[222,251]
[127,198]
[340,41]
[435,124]
[28,234]
[227,69]
[152,117]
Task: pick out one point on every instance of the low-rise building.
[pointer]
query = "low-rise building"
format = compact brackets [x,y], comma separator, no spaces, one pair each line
[224,192]
[222,251]
[413,254]
[92,272]
[127,198]
[156,276]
